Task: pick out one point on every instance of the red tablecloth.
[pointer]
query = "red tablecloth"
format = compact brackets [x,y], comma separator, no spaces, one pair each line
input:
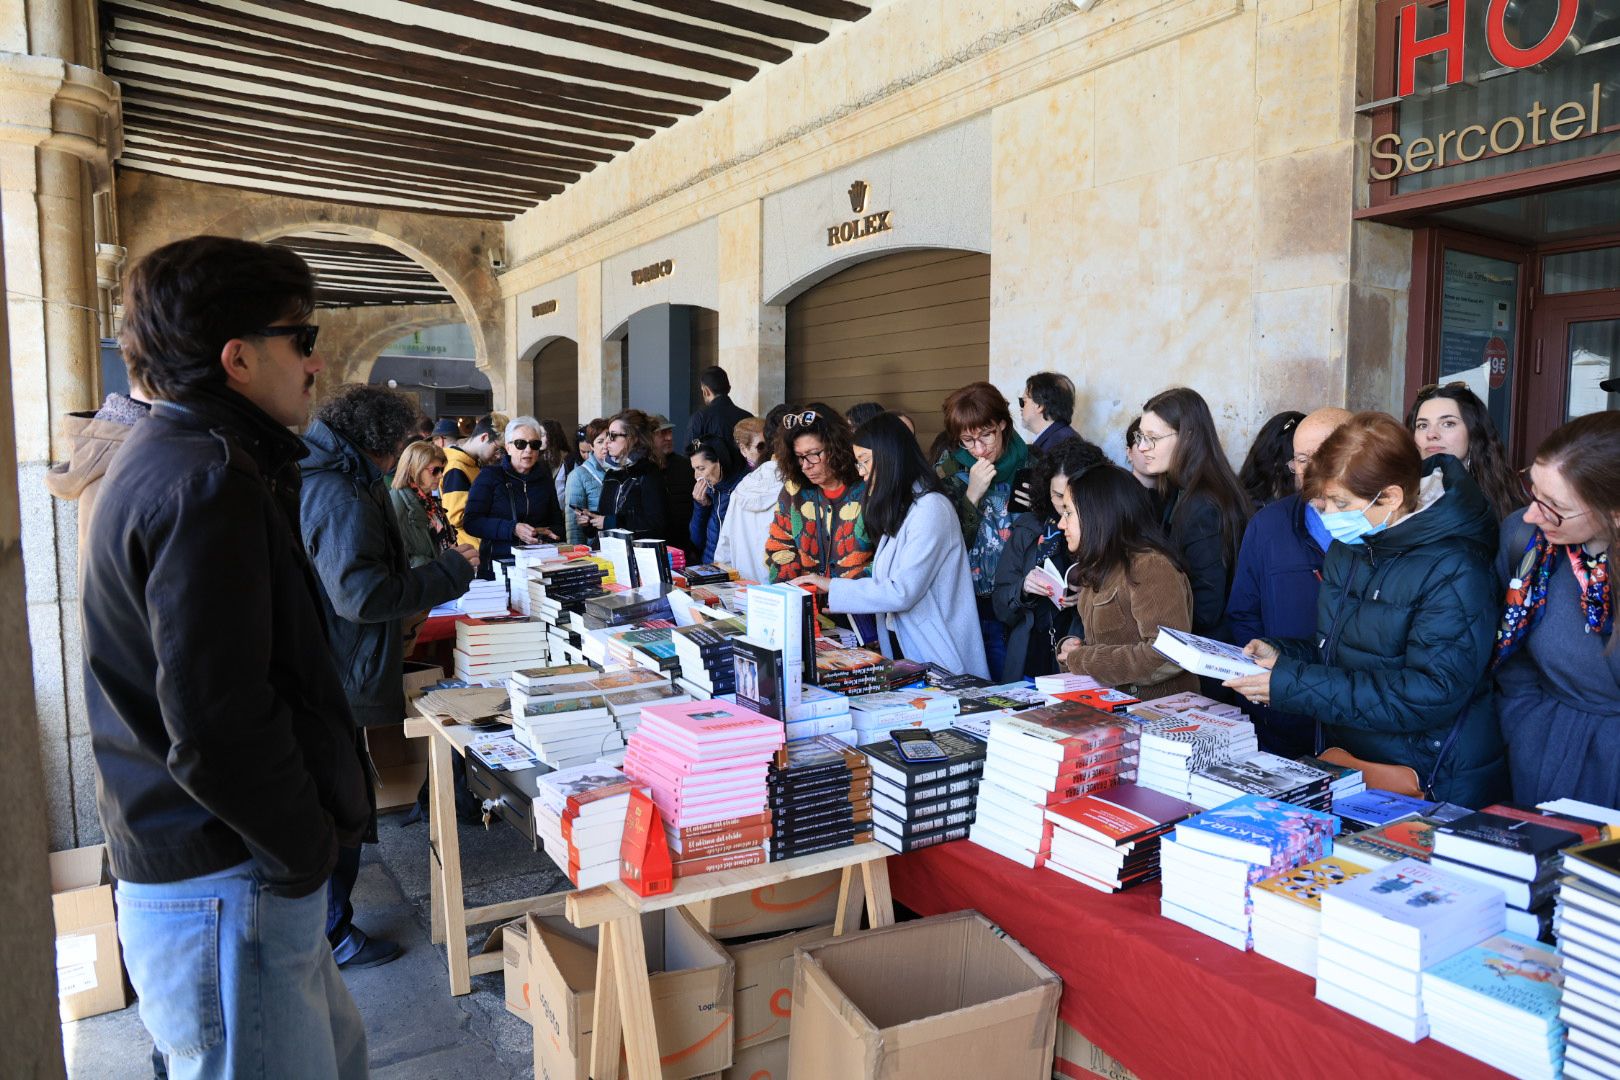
[1165,1000]
[438,628]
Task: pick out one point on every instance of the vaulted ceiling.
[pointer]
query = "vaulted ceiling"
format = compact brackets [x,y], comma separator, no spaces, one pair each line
[477,108]
[351,273]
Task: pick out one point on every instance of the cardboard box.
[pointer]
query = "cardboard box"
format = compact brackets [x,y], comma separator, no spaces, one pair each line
[766,1061]
[89,965]
[511,941]
[1078,1056]
[934,999]
[792,905]
[400,764]
[763,1000]
[419,675]
[691,996]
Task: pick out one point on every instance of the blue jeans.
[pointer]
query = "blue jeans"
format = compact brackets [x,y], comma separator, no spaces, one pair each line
[995,638]
[237,982]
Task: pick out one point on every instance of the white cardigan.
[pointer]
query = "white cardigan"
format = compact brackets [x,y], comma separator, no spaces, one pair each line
[920,576]
[747,523]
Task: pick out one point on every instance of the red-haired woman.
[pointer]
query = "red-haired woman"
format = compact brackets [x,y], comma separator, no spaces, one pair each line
[1558,667]
[1398,672]
[979,475]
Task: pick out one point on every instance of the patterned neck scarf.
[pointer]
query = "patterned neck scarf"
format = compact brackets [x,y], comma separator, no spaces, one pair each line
[1526,598]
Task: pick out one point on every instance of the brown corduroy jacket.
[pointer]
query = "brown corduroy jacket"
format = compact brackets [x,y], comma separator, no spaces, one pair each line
[1122,617]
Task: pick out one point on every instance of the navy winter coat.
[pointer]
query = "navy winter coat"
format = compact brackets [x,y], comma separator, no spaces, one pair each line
[706,520]
[1274,592]
[1397,672]
[502,497]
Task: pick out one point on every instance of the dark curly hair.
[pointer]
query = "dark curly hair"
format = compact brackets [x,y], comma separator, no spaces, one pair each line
[376,419]
[1069,458]
[1267,473]
[185,300]
[837,439]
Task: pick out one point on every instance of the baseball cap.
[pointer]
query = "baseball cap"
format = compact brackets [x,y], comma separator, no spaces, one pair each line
[662,423]
[446,427]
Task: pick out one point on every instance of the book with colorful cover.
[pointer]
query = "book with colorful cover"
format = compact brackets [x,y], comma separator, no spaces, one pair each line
[1304,884]
[1122,814]
[1513,845]
[1418,905]
[574,789]
[1374,807]
[762,679]
[1061,732]
[1408,838]
[1508,970]
[1257,830]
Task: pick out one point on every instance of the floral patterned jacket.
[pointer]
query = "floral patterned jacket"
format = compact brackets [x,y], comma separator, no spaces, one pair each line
[812,534]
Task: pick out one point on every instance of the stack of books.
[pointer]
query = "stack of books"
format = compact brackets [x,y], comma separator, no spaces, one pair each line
[1518,851]
[1498,1002]
[579,817]
[703,762]
[1110,840]
[494,647]
[820,798]
[705,652]
[1346,780]
[876,715]
[559,587]
[917,804]
[1287,915]
[851,671]
[1372,807]
[1263,774]
[1040,757]
[1001,698]
[1064,683]
[1175,747]
[821,712]
[1382,929]
[1211,860]
[621,608]
[1408,838]
[782,617]
[648,644]
[1589,935]
[483,598]
[706,574]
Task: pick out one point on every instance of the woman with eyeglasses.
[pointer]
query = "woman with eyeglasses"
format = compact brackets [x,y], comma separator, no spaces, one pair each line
[423,524]
[1397,674]
[513,502]
[584,485]
[717,471]
[1268,472]
[1557,662]
[919,576]
[1126,584]
[632,494]
[818,528]
[1451,419]
[979,475]
[1204,507]
[1133,455]
[1035,611]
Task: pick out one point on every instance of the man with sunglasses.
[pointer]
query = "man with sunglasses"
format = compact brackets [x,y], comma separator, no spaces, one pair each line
[228,764]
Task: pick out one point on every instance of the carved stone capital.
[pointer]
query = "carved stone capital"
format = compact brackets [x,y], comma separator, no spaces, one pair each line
[54,105]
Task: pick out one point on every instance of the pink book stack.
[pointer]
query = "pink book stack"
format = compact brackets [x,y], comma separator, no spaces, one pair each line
[704,762]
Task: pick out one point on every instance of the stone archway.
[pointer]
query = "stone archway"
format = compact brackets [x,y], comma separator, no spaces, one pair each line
[155,210]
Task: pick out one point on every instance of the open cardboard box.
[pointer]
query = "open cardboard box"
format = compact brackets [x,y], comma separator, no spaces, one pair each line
[89,966]
[936,999]
[763,1000]
[790,905]
[762,1061]
[691,995]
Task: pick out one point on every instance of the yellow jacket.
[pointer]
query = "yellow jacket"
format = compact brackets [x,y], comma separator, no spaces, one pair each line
[460,471]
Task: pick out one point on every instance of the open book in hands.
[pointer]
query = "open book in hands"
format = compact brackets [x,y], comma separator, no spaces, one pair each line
[1048,572]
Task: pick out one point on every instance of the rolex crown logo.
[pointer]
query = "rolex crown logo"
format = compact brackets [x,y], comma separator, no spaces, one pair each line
[857,195]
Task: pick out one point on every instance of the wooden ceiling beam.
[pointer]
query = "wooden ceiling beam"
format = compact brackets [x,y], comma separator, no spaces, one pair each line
[611,120]
[427,37]
[237,142]
[827,9]
[647,48]
[633,19]
[344,50]
[756,22]
[158,116]
[355,248]
[161,169]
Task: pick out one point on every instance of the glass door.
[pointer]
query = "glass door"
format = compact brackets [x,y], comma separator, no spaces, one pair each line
[1577,341]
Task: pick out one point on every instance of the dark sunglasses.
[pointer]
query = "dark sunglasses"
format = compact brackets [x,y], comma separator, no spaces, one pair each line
[804,419]
[526,444]
[303,336]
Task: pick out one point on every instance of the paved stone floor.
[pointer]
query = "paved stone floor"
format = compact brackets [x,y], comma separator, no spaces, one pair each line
[417,1031]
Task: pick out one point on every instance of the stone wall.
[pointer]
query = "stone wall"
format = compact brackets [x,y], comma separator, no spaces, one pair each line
[1170,200]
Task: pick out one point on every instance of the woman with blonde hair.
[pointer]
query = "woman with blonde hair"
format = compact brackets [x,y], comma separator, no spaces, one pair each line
[423,524]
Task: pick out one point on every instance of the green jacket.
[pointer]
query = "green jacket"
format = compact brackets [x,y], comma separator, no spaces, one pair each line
[413,527]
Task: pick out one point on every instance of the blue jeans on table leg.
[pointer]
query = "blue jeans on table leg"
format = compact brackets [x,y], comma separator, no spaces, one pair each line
[340,906]
[237,982]
[995,638]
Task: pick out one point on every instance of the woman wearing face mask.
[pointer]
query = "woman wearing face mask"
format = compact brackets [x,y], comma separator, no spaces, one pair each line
[514,501]
[1205,508]
[717,473]
[1406,619]
[1126,585]
[1557,663]
[585,484]
[423,524]
[818,527]
[919,579]
[632,494]
[1451,419]
[1023,597]
[979,476]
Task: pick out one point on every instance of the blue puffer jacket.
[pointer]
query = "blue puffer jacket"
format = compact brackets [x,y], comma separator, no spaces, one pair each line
[705,527]
[1405,624]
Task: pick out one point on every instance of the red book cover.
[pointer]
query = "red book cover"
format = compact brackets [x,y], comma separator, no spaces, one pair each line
[721,842]
[644,863]
[709,864]
[1590,832]
[1104,698]
[692,832]
[1123,813]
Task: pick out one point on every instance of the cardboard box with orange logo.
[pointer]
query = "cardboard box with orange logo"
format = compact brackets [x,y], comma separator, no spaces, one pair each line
[764,995]
[792,905]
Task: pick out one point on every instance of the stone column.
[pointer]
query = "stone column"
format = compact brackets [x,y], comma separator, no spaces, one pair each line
[59,130]
[753,334]
[599,361]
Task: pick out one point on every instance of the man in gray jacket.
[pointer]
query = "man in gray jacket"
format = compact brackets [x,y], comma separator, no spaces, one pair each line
[368,588]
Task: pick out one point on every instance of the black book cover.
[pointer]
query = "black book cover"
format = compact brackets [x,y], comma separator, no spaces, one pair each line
[912,826]
[1541,842]
[828,839]
[963,755]
[939,789]
[932,807]
[916,843]
[760,680]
